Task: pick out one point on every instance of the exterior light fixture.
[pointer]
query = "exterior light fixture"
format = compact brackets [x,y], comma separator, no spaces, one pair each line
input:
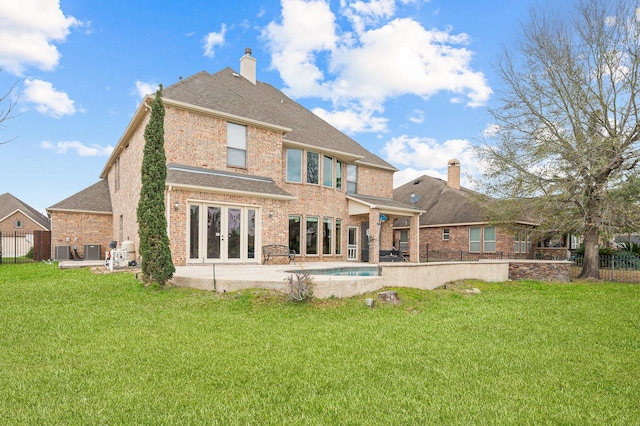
[176,206]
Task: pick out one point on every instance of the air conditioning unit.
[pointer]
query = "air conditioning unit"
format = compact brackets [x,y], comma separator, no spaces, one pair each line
[92,252]
[62,252]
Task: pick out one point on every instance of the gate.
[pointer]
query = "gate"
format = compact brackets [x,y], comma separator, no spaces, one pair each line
[24,247]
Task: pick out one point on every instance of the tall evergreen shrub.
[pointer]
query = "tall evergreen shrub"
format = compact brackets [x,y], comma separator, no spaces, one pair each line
[157,266]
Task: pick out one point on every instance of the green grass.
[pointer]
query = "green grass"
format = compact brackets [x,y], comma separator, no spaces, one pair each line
[79,348]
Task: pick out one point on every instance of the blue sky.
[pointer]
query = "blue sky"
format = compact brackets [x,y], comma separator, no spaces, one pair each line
[410,80]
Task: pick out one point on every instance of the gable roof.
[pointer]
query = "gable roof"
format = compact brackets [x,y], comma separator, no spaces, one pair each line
[10,204]
[443,205]
[94,199]
[224,182]
[231,93]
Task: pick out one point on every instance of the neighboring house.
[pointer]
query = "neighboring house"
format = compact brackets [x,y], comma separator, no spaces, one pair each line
[454,221]
[20,226]
[246,167]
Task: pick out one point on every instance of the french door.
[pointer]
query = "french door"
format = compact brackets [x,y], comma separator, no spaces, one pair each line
[352,243]
[221,233]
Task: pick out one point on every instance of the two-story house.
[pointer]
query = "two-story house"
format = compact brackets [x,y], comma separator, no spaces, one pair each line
[246,167]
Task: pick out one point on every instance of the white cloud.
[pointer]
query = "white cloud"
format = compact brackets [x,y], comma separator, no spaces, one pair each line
[213,39]
[81,149]
[144,88]
[407,175]
[423,152]
[417,116]
[355,119]
[491,131]
[316,57]
[48,100]
[28,32]
[415,157]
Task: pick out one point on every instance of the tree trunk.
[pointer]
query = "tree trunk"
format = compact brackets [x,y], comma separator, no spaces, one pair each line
[590,267]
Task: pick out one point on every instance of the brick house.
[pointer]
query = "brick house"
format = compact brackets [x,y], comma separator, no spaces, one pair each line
[20,227]
[246,167]
[454,221]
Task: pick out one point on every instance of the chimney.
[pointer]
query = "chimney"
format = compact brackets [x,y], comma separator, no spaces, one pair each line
[248,66]
[453,174]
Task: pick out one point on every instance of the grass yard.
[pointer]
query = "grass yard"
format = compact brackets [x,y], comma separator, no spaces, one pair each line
[78,348]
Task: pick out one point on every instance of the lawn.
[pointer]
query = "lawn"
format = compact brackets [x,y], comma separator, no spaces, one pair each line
[80,348]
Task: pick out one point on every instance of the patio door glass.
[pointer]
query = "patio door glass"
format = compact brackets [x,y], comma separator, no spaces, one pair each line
[223,234]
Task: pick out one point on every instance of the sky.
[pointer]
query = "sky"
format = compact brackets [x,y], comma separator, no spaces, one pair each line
[410,80]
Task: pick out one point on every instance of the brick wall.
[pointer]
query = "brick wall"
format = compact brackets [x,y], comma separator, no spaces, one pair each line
[28,225]
[80,229]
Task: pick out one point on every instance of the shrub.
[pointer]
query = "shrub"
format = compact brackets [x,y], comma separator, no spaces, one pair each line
[300,288]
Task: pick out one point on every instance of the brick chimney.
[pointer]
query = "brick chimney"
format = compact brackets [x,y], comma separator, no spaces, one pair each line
[453,174]
[248,66]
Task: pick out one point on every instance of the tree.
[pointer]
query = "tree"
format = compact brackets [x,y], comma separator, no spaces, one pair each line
[157,266]
[7,110]
[567,128]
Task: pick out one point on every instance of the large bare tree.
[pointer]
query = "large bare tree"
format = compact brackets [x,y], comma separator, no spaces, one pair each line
[7,103]
[566,142]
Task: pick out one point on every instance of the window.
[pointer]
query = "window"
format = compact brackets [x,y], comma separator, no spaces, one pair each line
[522,241]
[294,165]
[574,242]
[251,234]
[121,228]
[339,175]
[338,236]
[312,235]
[445,234]
[352,179]
[475,239]
[327,171]
[327,237]
[489,239]
[312,167]
[117,174]
[236,145]
[294,233]
[18,223]
[403,244]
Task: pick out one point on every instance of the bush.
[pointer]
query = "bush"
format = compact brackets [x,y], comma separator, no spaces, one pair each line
[300,288]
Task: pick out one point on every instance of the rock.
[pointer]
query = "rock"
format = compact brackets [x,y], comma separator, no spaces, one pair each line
[473,291]
[389,296]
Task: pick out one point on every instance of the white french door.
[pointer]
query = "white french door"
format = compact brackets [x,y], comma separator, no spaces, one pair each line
[222,233]
[352,243]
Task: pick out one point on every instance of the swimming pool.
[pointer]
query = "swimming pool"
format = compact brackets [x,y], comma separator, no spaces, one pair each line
[355,271]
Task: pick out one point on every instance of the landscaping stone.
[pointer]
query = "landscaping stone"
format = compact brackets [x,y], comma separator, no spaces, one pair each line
[389,296]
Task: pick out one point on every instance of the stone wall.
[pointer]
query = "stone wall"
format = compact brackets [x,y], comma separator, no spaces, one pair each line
[539,270]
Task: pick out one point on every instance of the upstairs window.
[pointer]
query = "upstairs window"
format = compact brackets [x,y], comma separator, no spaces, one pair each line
[236,145]
[313,167]
[327,171]
[352,179]
[445,234]
[18,223]
[294,165]
[339,175]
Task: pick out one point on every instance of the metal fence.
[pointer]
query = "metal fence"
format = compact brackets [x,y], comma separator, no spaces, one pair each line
[620,267]
[428,255]
[24,247]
